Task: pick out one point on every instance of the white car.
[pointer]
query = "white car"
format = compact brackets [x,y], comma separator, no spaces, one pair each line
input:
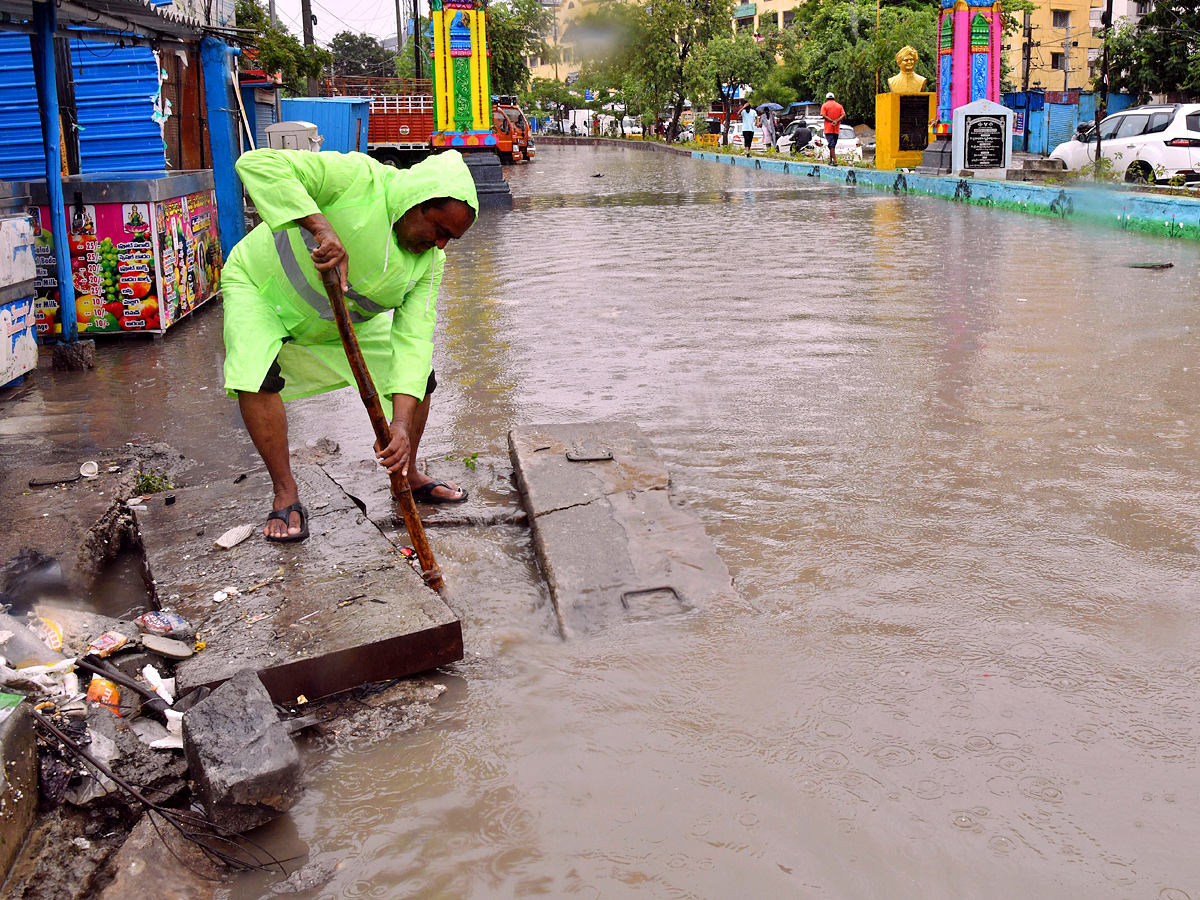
[787,140]
[1146,143]
[849,148]
[735,137]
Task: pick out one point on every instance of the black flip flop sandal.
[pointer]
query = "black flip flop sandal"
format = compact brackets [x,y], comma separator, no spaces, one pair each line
[425,494]
[285,514]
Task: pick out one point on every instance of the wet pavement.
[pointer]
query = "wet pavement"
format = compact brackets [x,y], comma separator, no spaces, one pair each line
[947,454]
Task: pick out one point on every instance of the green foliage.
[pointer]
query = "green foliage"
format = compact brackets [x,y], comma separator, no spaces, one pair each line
[276,49]
[405,65]
[357,54]
[1160,55]
[517,29]
[837,48]
[152,482]
[727,59]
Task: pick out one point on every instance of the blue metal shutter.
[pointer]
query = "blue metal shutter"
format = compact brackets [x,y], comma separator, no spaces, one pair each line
[264,115]
[21,154]
[1063,118]
[114,98]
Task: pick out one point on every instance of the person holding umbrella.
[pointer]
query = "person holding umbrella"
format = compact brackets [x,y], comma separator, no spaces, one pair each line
[767,111]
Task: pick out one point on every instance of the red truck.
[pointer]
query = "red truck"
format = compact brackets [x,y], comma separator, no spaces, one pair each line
[400,129]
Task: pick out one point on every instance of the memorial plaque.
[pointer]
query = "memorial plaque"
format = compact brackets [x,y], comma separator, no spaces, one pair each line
[914,122]
[984,142]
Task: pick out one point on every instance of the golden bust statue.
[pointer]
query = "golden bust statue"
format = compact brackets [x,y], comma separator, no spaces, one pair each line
[908,81]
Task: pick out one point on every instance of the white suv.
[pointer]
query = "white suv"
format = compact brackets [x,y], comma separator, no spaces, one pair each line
[1147,143]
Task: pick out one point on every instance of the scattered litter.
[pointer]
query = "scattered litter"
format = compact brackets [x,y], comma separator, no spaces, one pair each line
[58,680]
[258,618]
[199,645]
[231,591]
[240,478]
[164,646]
[301,700]
[308,616]
[164,623]
[174,721]
[107,644]
[104,692]
[156,681]
[1152,265]
[89,469]
[234,536]
[50,632]
[169,500]
[104,749]
[220,597]
[81,843]
[350,600]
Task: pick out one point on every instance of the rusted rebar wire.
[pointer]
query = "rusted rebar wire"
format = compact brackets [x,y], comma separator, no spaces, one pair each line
[178,819]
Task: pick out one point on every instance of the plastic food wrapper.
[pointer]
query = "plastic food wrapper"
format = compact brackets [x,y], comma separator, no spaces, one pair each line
[103,749]
[108,643]
[165,623]
[9,702]
[50,632]
[104,692]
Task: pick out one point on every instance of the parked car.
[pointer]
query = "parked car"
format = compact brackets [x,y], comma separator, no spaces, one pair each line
[787,139]
[631,126]
[849,148]
[735,137]
[1145,143]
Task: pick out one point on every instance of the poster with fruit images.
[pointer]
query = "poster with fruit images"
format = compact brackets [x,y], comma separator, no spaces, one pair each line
[118,271]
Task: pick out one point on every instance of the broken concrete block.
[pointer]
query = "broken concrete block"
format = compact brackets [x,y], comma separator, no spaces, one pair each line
[19,785]
[242,761]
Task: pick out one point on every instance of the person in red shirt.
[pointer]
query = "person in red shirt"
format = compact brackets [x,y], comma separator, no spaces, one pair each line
[832,113]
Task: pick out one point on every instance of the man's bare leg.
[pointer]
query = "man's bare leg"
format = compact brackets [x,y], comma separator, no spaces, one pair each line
[419,479]
[267,423]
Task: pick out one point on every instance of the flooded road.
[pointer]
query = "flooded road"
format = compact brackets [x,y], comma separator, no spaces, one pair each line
[949,455]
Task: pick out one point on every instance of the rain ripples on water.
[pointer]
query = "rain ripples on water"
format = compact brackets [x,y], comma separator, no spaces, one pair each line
[949,456]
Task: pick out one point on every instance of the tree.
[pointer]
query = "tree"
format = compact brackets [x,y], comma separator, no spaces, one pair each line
[721,65]
[1160,55]
[837,48]
[276,49]
[517,29]
[360,55]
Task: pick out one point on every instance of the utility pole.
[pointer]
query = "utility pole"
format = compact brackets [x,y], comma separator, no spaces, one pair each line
[1026,51]
[1102,106]
[1067,60]
[275,91]
[307,16]
[416,20]
[399,29]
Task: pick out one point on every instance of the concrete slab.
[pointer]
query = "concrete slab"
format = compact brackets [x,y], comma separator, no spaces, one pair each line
[610,544]
[19,785]
[491,498]
[333,612]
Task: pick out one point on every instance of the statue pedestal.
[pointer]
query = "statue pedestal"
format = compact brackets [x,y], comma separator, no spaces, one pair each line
[902,128]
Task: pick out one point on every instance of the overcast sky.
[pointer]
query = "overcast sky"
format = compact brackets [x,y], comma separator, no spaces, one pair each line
[373,17]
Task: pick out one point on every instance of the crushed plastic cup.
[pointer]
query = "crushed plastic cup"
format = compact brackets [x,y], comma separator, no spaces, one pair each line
[89,469]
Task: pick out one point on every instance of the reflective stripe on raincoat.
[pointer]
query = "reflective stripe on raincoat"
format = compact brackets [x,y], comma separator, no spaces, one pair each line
[275,304]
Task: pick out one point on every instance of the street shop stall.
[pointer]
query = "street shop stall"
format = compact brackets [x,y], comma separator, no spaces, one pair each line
[145,250]
[18,345]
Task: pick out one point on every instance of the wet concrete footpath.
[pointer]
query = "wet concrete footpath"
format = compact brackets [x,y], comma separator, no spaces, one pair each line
[946,455]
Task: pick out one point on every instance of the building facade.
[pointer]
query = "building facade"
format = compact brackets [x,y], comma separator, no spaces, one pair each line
[1056,50]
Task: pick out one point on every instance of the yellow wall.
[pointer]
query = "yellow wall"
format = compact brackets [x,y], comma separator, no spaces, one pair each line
[1051,40]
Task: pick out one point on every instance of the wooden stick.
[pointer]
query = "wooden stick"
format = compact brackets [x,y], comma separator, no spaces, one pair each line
[370,398]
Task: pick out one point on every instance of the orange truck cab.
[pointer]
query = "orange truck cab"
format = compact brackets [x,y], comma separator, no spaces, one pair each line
[513,134]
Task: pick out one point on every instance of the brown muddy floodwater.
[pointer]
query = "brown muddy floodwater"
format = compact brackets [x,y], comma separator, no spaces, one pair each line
[948,453]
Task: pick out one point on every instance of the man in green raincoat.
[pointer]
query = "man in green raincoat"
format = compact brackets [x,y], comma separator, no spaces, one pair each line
[384,230]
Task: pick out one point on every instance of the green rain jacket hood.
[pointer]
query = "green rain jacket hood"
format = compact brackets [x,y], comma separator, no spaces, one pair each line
[275,303]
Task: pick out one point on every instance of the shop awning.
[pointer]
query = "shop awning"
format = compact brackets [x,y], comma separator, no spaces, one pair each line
[112,20]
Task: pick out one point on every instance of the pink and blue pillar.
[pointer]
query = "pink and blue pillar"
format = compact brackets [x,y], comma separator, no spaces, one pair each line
[968,63]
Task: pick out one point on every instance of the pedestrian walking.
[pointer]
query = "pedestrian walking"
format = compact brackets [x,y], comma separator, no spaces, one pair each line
[768,127]
[383,230]
[832,114]
[749,118]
